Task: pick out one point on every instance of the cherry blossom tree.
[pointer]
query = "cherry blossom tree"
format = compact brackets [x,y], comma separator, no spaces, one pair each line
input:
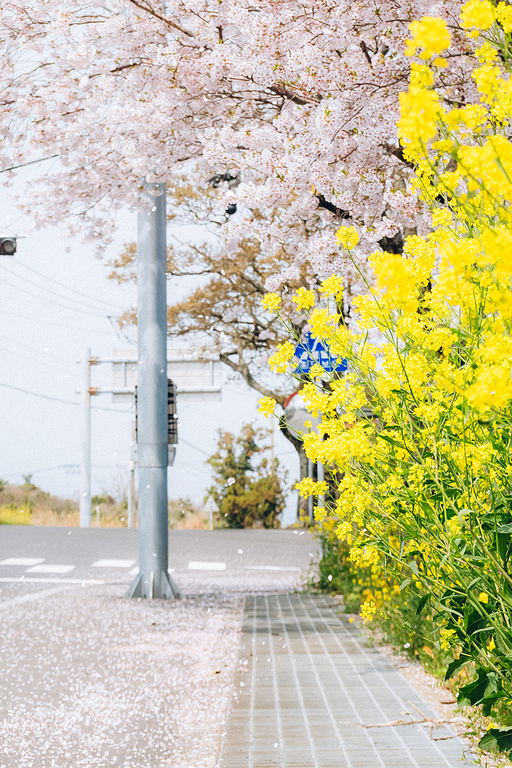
[295,101]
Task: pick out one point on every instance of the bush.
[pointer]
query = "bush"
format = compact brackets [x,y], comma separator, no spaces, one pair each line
[246,496]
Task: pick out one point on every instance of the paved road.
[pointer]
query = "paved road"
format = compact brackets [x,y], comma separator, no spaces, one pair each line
[91,680]
[240,560]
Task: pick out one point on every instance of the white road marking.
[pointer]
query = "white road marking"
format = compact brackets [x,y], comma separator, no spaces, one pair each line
[203,565]
[113,564]
[22,561]
[271,568]
[49,568]
[42,580]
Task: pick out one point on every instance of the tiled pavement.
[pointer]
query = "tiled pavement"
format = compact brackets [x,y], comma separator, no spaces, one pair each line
[309,686]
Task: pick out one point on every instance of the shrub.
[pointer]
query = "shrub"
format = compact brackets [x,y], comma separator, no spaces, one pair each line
[247,495]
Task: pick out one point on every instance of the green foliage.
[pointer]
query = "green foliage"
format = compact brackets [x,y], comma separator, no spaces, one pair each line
[247,494]
[95,500]
[3,484]
[27,479]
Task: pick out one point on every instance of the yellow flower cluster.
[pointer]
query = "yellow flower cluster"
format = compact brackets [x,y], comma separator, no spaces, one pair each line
[280,360]
[429,33]
[271,301]
[266,406]
[332,286]
[308,487]
[347,237]
[417,438]
[304,299]
[368,610]
[477,13]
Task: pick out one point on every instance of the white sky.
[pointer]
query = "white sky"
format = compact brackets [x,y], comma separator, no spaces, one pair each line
[44,325]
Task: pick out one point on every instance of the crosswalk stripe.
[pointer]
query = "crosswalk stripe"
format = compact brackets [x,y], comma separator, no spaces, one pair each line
[113,563]
[49,568]
[22,561]
[203,565]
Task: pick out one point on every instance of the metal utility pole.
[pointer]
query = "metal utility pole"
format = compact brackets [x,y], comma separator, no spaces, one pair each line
[153,580]
[131,485]
[85,448]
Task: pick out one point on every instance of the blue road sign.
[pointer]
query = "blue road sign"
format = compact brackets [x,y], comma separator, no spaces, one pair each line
[311,351]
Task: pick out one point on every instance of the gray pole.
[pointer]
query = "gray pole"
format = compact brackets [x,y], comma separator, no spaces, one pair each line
[153,580]
[310,498]
[85,448]
[131,485]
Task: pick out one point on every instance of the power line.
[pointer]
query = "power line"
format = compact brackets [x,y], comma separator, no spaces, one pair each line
[38,394]
[49,290]
[35,349]
[67,288]
[59,399]
[60,368]
[194,447]
[52,322]
[55,303]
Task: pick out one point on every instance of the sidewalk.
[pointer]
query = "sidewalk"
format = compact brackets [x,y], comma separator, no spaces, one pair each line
[310,693]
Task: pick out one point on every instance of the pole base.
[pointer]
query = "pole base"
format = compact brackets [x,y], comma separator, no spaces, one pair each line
[157,585]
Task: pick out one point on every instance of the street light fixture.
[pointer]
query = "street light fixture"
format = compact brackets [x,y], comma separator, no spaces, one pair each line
[8,245]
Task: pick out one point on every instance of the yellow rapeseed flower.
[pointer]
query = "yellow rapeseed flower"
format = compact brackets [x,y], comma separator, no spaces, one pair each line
[483,597]
[333,286]
[304,299]
[308,487]
[266,406]
[504,16]
[477,13]
[431,34]
[347,237]
[368,610]
[279,361]
[271,301]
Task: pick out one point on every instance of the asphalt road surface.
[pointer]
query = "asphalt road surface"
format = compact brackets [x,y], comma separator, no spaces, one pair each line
[89,679]
[32,558]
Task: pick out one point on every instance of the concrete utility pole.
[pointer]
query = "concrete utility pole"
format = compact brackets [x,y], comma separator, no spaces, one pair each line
[85,447]
[153,580]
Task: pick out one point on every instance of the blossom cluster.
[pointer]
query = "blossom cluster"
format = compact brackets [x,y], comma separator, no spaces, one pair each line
[292,108]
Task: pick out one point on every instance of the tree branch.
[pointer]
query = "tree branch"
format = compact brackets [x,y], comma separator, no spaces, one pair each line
[143,5]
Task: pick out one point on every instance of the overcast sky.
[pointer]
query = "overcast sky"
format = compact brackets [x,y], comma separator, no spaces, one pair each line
[53,304]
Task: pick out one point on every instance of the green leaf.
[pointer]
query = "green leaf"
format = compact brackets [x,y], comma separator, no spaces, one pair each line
[413,566]
[422,603]
[476,692]
[455,665]
[497,740]
[505,529]
[404,584]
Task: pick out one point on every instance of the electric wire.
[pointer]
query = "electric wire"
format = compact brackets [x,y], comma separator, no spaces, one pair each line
[38,394]
[61,369]
[205,453]
[67,288]
[49,290]
[55,303]
[59,399]
[35,349]
[53,322]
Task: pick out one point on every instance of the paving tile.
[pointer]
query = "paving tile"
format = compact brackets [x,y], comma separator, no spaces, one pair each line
[311,685]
